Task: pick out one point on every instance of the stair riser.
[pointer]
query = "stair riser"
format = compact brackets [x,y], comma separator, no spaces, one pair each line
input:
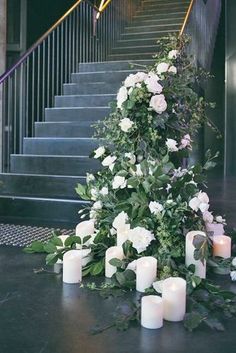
[91,88]
[76,114]
[108,77]
[59,146]
[153,28]
[157,6]
[160,16]
[84,101]
[136,50]
[53,165]
[110,66]
[40,186]
[164,10]
[130,56]
[150,2]
[40,212]
[64,129]
[142,35]
[154,21]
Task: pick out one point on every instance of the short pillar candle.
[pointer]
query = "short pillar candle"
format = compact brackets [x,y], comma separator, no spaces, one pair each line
[222,246]
[72,266]
[114,252]
[174,298]
[152,312]
[200,268]
[146,271]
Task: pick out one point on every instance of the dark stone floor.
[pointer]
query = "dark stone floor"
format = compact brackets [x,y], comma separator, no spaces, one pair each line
[40,314]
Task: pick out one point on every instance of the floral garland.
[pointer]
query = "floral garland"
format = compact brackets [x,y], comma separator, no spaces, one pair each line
[146,198]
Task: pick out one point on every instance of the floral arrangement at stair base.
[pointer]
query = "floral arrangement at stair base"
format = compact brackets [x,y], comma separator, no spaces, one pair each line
[146,198]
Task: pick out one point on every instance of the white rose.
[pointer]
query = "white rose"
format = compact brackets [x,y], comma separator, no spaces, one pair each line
[119,182]
[121,96]
[234,262]
[99,152]
[233,275]
[104,191]
[93,215]
[133,79]
[220,219]
[207,217]
[173,54]
[125,124]
[162,67]
[203,207]
[85,228]
[138,171]
[131,156]
[155,207]
[171,145]
[203,197]
[140,238]
[132,266]
[194,203]
[94,194]
[158,103]
[119,222]
[172,69]
[89,177]
[152,85]
[108,161]
[185,142]
[112,231]
[158,286]
[97,205]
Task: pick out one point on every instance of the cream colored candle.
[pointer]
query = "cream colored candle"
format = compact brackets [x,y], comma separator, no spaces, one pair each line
[200,268]
[222,246]
[174,298]
[114,252]
[146,272]
[72,266]
[121,237]
[152,312]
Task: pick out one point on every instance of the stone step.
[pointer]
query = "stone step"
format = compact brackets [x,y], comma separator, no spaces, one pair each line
[90,88]
[64,129]
[159,5]
[131,56]
[39,211]
[53,165]
[103,76]
[142,49]
[85,100]
[147,35]
[59,146]
[136,42]
[40,186]
[111,65]
[160,16]
[154,21]
[76,114]
[154,28]
[163,9]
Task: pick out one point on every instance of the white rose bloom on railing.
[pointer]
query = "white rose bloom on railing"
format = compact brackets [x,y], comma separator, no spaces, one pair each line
[94,194]
[121,96]
[173,54]
[162,67]
[104,191]
[89,177]
[108,161]
[97,205]
[99,152]
[172,69]
[140,238]
[119,222]
[131,156]
[158,103]
[155,207]
[125,124]
[119,182]
[152,84]
[200,202]
[171,145]
[133,79]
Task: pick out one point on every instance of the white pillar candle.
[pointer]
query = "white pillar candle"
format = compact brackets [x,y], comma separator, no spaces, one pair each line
[114,252]
[222,246]
[72,266]
[200,268]
[121,237]
[63,239]
[174,298]
[152,312]
[146,272]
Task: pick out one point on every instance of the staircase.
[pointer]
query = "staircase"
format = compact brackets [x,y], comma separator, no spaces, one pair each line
[39,190]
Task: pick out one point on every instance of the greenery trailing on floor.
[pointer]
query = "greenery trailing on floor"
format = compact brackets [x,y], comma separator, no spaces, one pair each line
[147,193]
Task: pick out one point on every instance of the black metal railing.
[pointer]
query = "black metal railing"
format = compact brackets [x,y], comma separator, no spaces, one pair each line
[31,84]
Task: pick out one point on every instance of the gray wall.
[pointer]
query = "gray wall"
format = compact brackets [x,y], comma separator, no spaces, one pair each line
[230,93]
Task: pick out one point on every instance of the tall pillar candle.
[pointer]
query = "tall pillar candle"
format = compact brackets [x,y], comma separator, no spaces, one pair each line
[146,272]
[72,266]
[152,312]
[114,252]
[200,268]
[222,246]
[174,298]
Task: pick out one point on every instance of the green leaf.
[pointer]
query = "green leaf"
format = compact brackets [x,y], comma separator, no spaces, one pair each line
[85,239]
[50,248]
[120,277]
[214,323]
[72,240]
[81,191]
[97,268]
[192,321]
[56,241]
[116,262]
[201,247]
[35,247]
[51,259]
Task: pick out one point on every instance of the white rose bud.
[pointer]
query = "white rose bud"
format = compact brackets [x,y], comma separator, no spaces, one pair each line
[172,69]
[99,152]
[155,207]
[173,54]
[119,182]
[162,67]
[109,160]
[125,124]
[121,96]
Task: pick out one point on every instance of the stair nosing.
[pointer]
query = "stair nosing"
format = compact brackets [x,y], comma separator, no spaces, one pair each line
[13,197]
[45,175]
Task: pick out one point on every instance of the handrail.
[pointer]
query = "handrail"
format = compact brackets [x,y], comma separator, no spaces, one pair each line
[38,42]
[186,18]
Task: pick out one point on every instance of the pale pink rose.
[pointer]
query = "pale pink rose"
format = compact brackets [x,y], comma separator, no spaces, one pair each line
[158,103]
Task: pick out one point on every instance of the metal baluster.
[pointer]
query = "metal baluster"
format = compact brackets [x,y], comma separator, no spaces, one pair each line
[54,73]
[42,89]
[37,92]
[65,77]
[48,88]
